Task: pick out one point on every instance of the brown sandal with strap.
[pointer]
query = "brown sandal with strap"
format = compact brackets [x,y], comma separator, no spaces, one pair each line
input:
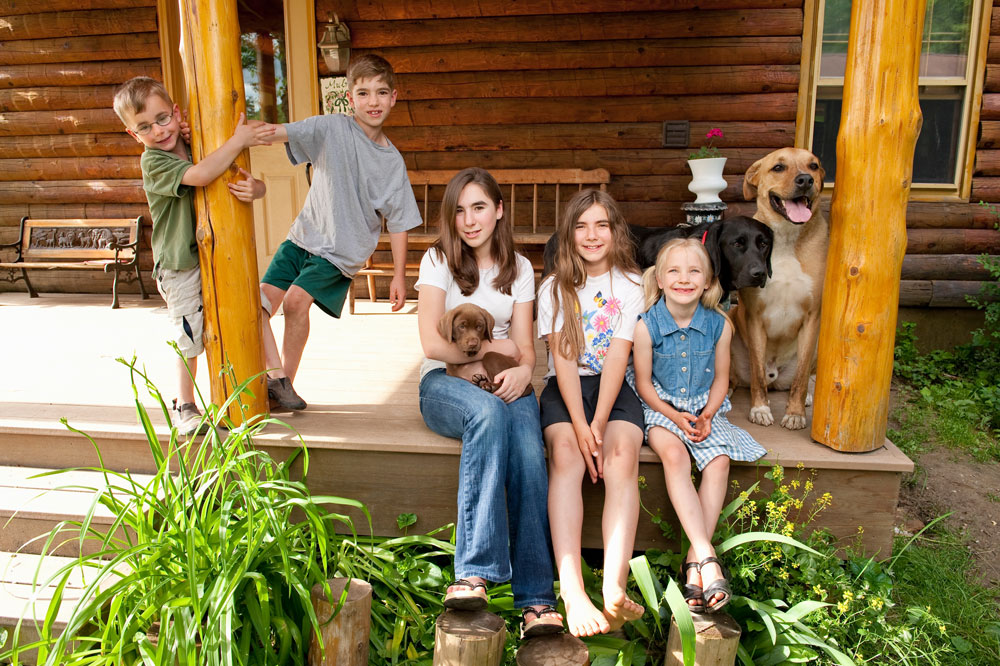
[547,621]
[472,599]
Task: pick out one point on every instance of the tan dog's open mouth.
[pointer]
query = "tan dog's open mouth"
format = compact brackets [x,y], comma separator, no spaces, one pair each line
[797,210]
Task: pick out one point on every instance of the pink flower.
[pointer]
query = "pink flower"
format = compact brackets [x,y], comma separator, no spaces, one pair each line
[715,131]
[613,307]
[600,323]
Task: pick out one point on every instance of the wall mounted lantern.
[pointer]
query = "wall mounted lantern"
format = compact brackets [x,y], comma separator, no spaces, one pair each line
[336,46]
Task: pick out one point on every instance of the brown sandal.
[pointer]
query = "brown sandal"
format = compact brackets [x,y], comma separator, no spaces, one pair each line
[547,621]
[472,599]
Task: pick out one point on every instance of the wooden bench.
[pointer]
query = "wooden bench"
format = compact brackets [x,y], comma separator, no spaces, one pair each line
[98,244]
[519,187]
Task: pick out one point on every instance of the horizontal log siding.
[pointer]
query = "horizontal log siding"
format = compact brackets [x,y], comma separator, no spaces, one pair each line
[63,151]
[557,83]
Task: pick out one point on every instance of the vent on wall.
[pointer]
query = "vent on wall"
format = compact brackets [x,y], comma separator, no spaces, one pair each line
[676,133]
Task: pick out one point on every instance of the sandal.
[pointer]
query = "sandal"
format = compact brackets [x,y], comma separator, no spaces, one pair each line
[691,591]
[547,621]
[719,586]
[471,599]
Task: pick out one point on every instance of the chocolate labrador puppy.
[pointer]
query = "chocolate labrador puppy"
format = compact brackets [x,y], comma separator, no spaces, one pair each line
[468,326]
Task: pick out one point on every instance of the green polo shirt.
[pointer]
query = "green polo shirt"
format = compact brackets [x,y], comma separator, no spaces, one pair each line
[172,207]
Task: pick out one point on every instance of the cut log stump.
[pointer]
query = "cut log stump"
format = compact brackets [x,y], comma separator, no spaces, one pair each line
[554,650]
[346,636]
[717,638]
[469,637]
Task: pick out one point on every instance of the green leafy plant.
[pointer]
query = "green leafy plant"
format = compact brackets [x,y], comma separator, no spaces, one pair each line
[211,561]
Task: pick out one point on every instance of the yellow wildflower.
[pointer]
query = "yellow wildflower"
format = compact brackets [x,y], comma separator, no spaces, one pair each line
[942,628]
[783,574]
[795,484]
[848,595]
[809,485]
[789,529]
[801,465]
[842,606]
[876,603]
[783,489]
[642,482]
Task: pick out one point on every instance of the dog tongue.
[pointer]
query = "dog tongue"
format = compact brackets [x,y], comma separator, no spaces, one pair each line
[797,212]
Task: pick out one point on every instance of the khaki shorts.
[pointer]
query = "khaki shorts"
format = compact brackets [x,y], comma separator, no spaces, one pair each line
[182,292]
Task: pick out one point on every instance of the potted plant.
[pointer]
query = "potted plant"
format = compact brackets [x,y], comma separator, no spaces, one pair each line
[210,561]
[706,165]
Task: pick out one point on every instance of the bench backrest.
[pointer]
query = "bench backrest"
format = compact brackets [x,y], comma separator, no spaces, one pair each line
[77,240]
[512,181]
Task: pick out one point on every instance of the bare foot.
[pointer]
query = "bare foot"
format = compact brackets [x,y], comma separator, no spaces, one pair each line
[619,609]
[583,618]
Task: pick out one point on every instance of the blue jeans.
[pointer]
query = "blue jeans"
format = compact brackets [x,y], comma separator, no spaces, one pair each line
[502,529]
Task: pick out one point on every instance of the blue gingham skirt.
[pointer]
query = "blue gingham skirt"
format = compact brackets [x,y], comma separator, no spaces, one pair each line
[725,439]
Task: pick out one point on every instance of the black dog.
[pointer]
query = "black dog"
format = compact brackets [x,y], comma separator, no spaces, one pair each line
[739,247]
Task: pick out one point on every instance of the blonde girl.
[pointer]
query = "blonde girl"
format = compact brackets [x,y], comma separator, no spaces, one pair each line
[501,530]
[592,422]
[681,360]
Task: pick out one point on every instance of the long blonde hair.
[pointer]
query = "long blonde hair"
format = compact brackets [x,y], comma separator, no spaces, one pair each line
[570,274]
[460,257]
[712,295]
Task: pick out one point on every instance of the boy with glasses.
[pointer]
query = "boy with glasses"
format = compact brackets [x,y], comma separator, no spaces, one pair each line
[168,176]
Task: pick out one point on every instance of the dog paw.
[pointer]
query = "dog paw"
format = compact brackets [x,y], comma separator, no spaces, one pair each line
[483,382]
[809,399]
[761,415]
[793,421]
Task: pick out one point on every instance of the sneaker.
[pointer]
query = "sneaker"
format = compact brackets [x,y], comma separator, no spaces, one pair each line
[187,418]
[280,390]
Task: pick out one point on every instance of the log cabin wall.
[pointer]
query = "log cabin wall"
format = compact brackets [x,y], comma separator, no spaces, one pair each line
[63,151]
[588,84]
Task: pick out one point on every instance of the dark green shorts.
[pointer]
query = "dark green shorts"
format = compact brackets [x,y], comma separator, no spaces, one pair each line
[317,276]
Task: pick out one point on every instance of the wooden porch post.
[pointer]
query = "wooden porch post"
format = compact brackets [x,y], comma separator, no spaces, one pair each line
[878,131]
[230,286]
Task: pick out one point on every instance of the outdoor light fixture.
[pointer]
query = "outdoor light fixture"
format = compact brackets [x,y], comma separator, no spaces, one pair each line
[336,46]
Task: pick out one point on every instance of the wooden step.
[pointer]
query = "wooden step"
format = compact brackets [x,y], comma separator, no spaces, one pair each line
[363,428]
[23,595]
[32,506]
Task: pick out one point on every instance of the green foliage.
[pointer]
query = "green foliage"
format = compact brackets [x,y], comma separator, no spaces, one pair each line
[211,561]
[952,394]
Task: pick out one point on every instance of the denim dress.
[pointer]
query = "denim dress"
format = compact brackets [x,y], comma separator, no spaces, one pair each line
[683,372]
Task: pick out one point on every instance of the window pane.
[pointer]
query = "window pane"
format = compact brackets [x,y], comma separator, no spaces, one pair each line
[262,52]
[934,159]
[944,46]
[836,26]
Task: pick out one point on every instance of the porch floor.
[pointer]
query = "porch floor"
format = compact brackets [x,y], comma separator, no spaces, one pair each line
[363,428]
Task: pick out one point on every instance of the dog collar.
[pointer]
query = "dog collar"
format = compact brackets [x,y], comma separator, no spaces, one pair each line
[704,236]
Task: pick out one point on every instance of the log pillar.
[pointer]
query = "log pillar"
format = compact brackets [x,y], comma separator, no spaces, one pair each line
[469,637]
[717,638]
[230,287]
[345,638]
[878,131]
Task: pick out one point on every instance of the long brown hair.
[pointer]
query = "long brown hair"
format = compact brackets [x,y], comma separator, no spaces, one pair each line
[460,257]
[712,295]
[569,272]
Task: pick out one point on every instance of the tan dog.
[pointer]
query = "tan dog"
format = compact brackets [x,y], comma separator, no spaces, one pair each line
[468,326]
[778,325]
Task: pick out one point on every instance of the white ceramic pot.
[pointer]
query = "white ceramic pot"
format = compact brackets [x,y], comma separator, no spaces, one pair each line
[708,180]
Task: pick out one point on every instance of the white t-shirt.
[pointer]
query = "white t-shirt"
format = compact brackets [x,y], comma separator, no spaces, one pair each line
[434,272]
[610,303]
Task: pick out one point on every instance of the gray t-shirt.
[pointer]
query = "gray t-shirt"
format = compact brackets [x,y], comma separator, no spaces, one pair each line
[354,179]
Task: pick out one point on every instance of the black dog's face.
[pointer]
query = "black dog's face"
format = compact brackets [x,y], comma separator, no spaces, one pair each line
[746,246]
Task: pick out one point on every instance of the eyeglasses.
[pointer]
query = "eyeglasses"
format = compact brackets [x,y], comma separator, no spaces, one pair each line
[162,120]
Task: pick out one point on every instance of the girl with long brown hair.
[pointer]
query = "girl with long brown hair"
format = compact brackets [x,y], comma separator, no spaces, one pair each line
[591,421]
[502,526]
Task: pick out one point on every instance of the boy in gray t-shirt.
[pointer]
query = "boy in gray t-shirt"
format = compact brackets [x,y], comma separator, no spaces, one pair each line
[357,175]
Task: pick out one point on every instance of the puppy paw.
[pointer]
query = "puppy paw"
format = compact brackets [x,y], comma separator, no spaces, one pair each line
[793,421]
[761,415]
[809,399]
[483,382]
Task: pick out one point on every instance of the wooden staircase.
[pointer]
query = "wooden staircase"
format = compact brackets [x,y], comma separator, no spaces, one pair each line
[365,437]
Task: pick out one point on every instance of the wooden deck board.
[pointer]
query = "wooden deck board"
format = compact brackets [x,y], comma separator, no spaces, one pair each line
[360,376]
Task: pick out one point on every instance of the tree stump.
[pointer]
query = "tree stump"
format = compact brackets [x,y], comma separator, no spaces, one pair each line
[716,640]
[346,636]
[462,638]
[554,650]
